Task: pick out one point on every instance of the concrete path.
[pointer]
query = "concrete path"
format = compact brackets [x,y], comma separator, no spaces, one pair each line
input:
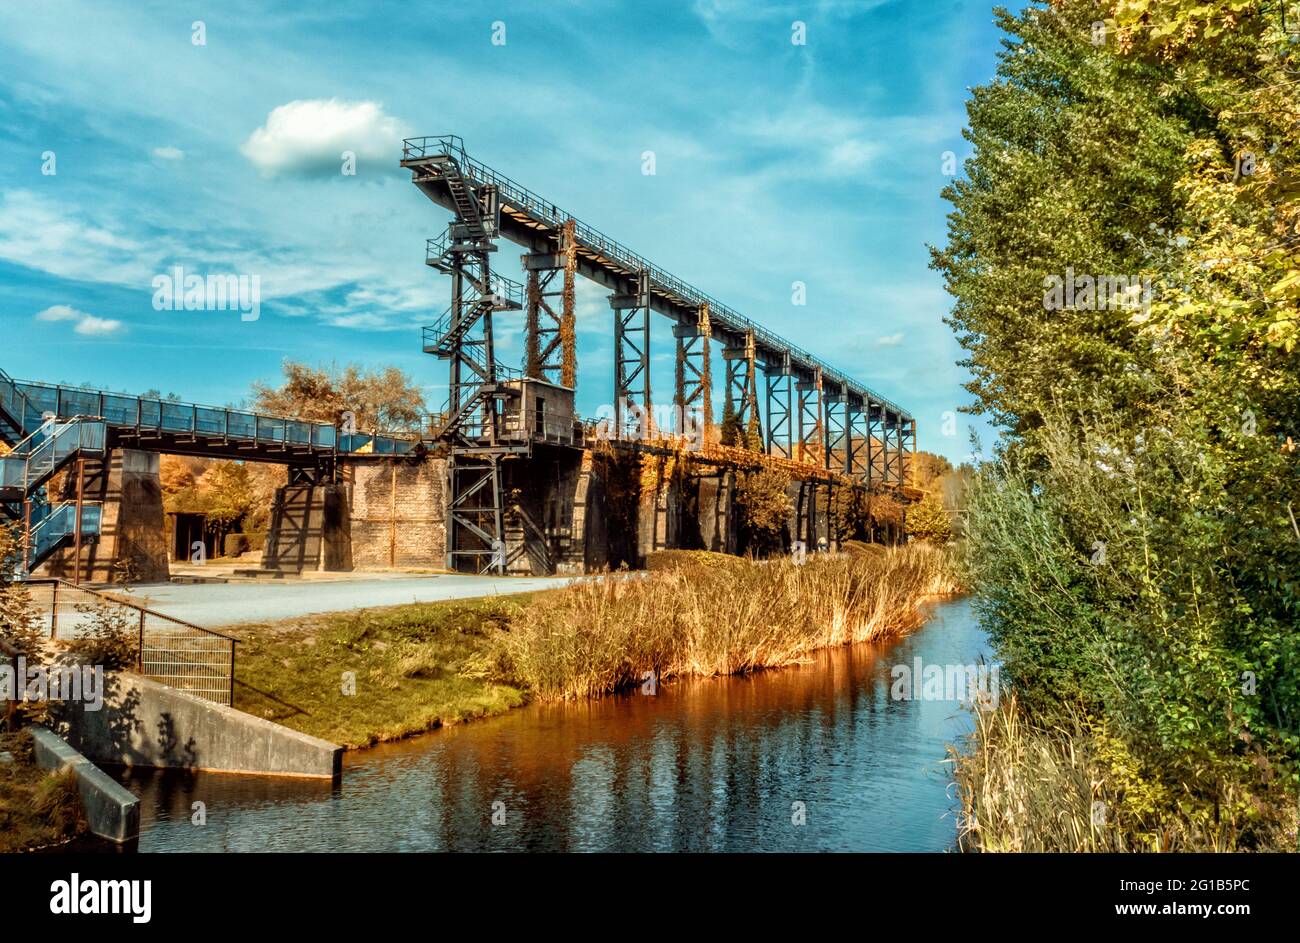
[213,605]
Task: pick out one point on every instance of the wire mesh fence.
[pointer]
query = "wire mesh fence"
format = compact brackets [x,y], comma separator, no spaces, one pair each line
[168,650]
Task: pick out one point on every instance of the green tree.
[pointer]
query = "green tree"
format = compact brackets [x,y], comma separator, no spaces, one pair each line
[763,499]
[928,520]
[1134,546]
[383,400]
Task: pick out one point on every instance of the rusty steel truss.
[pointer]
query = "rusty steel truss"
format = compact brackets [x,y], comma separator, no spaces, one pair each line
[814,413]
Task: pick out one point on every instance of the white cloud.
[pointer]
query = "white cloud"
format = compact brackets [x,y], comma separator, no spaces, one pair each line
[168,153]
[86,324]
[308,138]
[891,340]
[98,327]
[60,313]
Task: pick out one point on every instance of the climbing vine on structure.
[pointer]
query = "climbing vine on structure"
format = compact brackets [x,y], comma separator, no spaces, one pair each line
[568,334]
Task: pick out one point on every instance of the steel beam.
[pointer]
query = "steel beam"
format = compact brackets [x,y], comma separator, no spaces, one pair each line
[633,410]
[811,420]
[780,408]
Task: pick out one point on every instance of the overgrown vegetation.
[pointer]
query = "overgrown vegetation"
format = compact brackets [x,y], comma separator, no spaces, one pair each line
[407,668]
[595,637]
[37,808]
[764,507]
[1134,545]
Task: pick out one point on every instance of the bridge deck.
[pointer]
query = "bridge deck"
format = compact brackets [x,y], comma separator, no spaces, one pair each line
[163,425]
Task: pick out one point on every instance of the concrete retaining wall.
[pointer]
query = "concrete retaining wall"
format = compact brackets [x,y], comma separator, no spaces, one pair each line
[144,723]
[111,810]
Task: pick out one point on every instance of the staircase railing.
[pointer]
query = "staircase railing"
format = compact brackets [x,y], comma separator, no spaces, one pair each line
[41,454]
[169,650]
[16,410]
[58,525]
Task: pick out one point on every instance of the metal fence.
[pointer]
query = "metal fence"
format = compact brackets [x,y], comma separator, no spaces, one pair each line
[168,650]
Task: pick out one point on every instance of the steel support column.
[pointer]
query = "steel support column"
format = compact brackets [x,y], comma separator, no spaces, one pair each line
[811,421]
[857,442]
[692,392]
[633,416]
[892,452]
[549,339]
[742,387]
[780,408]
[875,444]
[836,406]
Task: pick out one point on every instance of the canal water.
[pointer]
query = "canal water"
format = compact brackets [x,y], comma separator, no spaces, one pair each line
[816,757]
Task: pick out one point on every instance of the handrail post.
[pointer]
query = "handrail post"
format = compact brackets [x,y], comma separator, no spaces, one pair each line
[54,611]
[76,552]
[139,658]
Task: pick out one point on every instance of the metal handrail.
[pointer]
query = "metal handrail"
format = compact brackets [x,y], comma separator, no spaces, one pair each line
[226,672]
[453,146]
[125,409]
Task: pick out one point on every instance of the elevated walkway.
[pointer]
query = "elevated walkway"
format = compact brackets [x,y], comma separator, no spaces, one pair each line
[163,425]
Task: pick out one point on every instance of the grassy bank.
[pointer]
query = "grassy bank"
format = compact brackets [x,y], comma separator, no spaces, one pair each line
[407,661]
[597,636]
[1074,786]
[422,666]
[37,808]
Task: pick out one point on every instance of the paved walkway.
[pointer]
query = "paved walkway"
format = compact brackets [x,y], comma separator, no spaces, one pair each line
[211,605]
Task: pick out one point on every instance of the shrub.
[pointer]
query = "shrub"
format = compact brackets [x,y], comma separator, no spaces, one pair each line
[763,502]
[927,520]
[109,637]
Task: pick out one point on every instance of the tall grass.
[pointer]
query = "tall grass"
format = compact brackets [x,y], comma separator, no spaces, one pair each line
[598,636]
[1074,787]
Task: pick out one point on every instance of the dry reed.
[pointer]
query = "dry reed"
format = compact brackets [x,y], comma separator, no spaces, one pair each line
[598,636]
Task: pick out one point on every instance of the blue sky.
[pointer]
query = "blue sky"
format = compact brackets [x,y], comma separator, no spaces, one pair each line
[774,163]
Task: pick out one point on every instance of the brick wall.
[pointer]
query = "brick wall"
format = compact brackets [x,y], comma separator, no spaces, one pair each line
[397,514]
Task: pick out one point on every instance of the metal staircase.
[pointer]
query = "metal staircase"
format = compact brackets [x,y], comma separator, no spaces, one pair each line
[35,459]
[39,448]
[470,421]
[19,418]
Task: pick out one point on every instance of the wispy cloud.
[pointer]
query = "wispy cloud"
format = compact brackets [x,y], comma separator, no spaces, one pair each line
[82,323]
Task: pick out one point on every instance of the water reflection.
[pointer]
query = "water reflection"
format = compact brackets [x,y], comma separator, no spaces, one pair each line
[716,765]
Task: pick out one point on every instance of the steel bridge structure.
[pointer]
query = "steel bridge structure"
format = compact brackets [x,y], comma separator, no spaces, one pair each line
[49,427]
[815,415]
